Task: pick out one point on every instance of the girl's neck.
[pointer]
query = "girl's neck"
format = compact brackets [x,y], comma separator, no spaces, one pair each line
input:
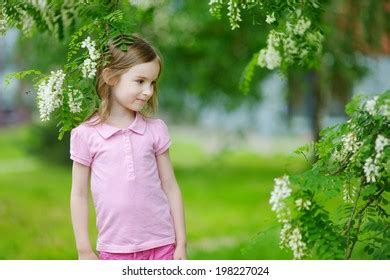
[121,118]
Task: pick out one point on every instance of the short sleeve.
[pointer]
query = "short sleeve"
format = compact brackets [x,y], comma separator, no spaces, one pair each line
[163,140]
[79,149]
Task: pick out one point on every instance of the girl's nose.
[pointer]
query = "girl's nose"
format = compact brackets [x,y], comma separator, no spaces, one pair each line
[148,92]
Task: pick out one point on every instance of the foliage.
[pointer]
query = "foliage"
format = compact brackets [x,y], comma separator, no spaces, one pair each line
[353,167]
[69,93]
[296,34]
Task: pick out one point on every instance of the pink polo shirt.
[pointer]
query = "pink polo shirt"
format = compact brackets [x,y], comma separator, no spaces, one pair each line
[132,210]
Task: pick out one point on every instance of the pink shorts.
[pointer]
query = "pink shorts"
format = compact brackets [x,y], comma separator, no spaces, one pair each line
[159,253]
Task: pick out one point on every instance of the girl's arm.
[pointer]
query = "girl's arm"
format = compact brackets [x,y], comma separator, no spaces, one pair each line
[172,190]
[79,210]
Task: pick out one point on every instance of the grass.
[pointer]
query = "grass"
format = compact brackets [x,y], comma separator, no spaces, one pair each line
[225,196]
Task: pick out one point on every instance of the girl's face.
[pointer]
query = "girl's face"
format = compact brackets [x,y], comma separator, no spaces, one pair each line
[136,86]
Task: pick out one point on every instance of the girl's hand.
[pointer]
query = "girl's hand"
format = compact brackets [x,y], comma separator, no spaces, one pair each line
[88,256]
[180,253]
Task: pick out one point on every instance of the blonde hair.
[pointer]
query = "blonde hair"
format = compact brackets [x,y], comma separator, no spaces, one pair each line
[139,51]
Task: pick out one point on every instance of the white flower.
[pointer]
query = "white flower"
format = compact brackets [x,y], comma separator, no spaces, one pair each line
[302,25]
[284,235]
[371,170]
[49,94]
[280,192]
[283,215]
[350,142]
[370,106]
[338,156]
[302,204]
[91,46]
[75,100]
[292,238]
[274,38]
[296,244]
[290,46]
[380,143]
[272,58]
[269,58]
[270,18]
[3,21]
[88,67]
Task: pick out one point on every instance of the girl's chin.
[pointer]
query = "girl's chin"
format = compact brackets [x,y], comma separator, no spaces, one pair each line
[135,108]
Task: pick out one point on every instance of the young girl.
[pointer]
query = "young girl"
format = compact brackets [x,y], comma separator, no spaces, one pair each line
[139,208]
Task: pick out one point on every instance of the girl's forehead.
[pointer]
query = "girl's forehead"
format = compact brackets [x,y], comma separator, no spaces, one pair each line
[148,70]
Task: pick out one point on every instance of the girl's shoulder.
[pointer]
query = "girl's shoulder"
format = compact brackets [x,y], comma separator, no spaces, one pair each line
[158,129]
[155,124]
[87,126]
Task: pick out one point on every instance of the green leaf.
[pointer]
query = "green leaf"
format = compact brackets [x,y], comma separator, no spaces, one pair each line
[20,75]
[247,75]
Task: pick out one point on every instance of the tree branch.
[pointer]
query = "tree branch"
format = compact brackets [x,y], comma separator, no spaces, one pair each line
[361,213]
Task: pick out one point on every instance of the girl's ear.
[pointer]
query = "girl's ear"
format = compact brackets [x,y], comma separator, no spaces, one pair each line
[107,77]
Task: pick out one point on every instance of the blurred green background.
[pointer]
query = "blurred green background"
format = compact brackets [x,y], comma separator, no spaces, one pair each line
[227,146]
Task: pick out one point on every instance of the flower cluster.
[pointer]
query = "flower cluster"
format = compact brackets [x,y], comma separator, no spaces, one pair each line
[3,21]
[296,244]
[270,18]
[302,25]
[89,65]
[49,94]
[269,57]
[281,191]
[350,146]
[371,166]
[284,235]
[350,143]
[75,100]
[380,143]
[370,106]
[291,238]
[294,43]
[371,170]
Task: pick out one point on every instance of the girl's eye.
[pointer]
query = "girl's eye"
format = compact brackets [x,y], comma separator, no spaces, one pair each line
[140,81]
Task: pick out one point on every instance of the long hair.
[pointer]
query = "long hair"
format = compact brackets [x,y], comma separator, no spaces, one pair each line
[119,62]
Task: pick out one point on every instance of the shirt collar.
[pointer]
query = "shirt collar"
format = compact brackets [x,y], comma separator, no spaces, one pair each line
[106,131]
